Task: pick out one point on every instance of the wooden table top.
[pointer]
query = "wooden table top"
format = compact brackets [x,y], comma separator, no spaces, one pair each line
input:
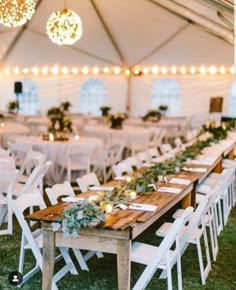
[121,219]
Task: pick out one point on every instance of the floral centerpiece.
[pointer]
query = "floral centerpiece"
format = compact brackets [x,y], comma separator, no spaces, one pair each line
[163,108]
[105,110]
[65,106]
[13,107]
[152,115]
[60,123]
[116,120]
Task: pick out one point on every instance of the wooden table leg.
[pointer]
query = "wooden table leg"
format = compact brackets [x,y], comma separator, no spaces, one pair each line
[230,156]
[48,258]
[123,264]
[186,201]
[218,167]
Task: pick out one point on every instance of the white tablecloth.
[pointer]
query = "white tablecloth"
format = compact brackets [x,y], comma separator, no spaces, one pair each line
[56,149]
[127,134]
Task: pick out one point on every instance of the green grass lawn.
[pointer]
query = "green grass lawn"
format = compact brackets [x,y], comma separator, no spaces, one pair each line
[102,273]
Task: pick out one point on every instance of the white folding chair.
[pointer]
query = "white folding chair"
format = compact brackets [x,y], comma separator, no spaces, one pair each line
[75,160]
[7,184]
[87,180]
[33,240]
[35,180]
[144,157]
[65,189]
[165,148]
[163,257]
[122,168]
[32,159]
[193,233]
[19,151]
[134,162]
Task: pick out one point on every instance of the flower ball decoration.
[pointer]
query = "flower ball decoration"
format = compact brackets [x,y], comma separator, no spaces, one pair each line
[64,27]
[15,13]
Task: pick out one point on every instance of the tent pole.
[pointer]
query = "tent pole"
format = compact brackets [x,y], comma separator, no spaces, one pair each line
[176,33]
[129,91]
[196,18]
[111,37]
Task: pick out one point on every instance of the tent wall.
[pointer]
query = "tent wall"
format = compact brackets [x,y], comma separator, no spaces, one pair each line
[196,91]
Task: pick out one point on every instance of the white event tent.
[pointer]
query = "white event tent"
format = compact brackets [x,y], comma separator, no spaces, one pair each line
[128,45]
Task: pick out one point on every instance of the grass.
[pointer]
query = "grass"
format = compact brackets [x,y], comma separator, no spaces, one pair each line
[102,273]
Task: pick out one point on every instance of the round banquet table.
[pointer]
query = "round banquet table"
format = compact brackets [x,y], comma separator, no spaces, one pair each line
[54,150]
[127,134]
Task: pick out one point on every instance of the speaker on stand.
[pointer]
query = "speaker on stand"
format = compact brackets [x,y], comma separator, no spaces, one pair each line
[18,89]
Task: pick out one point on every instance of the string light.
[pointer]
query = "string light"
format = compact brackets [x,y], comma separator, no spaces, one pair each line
[192,70]
[164,70]
[64,27]
[55,70]
[35,70]
[95,70]
[222,70]
[65,70]
[15,13]
[85,70]
[127,72]
[145,70]
[74,70]
[202,70]
[212,70]
[183,70]
[117,70]
[155,70]
[173,70]
[16,71]
[232,70]
[106,70]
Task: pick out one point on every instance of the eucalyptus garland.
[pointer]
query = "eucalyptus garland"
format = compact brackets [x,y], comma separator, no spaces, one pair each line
[92,211]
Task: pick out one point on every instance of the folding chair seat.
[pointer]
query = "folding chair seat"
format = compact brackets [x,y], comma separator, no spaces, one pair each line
[33,239]
[162,257]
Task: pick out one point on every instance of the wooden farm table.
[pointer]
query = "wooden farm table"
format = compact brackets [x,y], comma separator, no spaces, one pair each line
[121,227]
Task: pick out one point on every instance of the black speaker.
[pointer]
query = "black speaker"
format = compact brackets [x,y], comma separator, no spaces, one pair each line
[18,87]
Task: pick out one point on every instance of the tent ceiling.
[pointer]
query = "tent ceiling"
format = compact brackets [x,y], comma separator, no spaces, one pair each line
[121,32]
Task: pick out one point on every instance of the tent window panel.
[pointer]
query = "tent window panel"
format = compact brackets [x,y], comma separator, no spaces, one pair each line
[232,100]
[28,99]
[93,95]
[166,91]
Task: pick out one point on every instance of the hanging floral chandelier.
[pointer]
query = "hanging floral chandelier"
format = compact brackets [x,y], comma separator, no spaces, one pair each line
[16,12]
[64,27]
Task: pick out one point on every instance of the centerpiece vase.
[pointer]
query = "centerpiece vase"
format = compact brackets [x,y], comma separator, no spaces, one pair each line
[116,124]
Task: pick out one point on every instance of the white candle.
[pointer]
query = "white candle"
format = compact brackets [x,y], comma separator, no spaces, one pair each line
[51,137]
[133,195]
[77,137]
[128,179]
[109,208]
